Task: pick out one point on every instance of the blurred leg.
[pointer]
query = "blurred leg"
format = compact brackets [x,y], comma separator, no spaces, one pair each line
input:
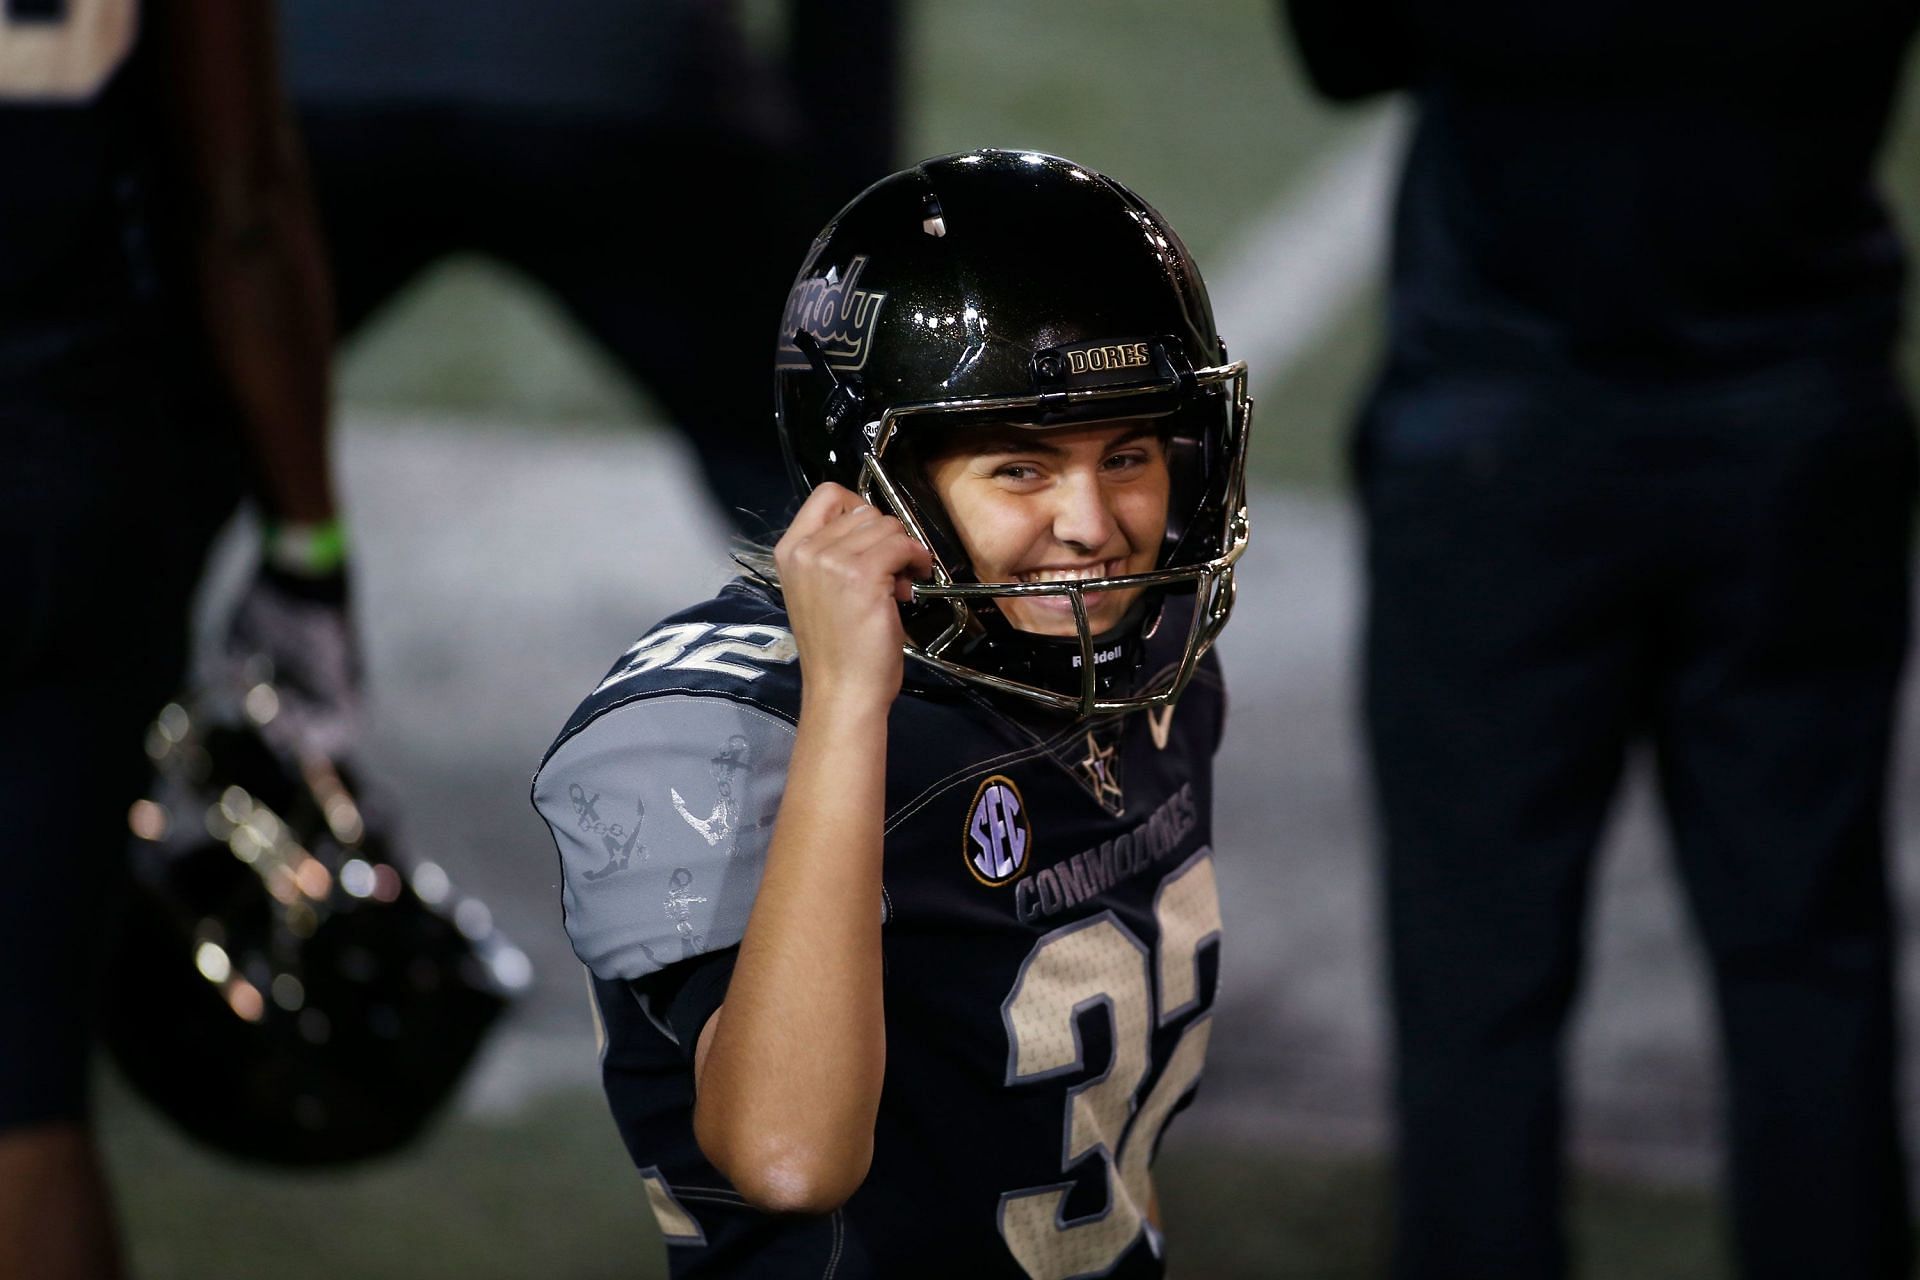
[676,253]
[1501,667]
[65,803]
[65,795]
[1774,732]
[105,509]
[56,1221]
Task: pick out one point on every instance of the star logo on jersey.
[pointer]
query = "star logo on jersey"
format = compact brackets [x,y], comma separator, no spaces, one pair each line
[1100,769]
[998,834]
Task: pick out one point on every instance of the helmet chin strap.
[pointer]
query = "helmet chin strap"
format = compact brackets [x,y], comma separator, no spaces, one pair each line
[973,638]
[1055,662]
[845,396]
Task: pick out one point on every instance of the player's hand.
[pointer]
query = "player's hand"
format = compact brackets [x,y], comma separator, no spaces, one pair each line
[844,567]
[295,633]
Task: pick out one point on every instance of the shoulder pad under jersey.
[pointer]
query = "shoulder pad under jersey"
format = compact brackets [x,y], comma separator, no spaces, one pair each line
[736,645]
[662,790]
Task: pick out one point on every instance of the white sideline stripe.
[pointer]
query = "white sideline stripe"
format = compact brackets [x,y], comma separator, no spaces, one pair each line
[516,1068]
[1294,270]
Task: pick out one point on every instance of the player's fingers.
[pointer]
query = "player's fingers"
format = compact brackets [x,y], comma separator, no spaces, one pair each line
[883,548]
[826,503]
[851,536]
[859,550]
[917,567]
[880,551]
[840,558]
[857,532]
[879,548]
[913,558]
[821,521]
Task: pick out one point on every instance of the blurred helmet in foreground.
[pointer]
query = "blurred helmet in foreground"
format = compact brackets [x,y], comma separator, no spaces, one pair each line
[287,990]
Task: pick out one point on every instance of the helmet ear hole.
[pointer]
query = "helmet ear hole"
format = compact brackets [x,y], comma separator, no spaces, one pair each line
[908,466]
[1201,444]
[1186,476]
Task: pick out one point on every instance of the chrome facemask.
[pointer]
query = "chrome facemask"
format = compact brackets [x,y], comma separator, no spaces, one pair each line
[1222,494]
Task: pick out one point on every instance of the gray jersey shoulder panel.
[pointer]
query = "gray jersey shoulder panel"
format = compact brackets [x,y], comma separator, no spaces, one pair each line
[662,810]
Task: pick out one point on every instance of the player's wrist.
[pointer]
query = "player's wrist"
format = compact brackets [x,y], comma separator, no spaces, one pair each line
[851,704]
[312,549]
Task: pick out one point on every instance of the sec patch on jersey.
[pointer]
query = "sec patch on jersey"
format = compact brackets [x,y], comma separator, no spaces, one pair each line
[998,832]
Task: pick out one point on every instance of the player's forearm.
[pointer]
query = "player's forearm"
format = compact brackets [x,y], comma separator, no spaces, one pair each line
[789,1084]
[267,311]
[263,292]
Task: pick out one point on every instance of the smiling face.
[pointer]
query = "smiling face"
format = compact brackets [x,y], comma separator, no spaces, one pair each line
[1054,506]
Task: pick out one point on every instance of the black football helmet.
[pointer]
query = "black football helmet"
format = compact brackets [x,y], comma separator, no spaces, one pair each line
[286,988]
[1020,289]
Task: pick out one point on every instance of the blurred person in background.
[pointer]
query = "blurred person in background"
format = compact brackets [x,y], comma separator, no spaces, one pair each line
[1637,467]
[164,334]
[645,163]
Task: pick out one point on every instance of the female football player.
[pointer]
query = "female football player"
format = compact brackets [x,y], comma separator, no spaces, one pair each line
[891,862]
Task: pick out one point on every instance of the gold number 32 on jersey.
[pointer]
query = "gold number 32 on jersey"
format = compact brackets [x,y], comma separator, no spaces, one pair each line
[63,51]
[1099,962]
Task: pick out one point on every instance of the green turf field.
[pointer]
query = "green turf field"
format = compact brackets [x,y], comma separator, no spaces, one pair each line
[549,1193]
[1197,105]
[1204,115]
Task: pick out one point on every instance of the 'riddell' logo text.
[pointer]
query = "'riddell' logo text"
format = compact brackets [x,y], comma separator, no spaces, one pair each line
[1101,657]
[837,312]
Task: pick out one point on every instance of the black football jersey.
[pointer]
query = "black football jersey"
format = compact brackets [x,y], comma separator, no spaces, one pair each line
[1051,941]
[79,139]
[1627,188]
[596,58]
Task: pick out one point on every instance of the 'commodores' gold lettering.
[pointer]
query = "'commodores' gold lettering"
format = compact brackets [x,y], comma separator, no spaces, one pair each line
[1122,355]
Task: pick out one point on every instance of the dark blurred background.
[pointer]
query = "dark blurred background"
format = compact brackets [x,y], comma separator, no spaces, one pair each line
[521,510]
